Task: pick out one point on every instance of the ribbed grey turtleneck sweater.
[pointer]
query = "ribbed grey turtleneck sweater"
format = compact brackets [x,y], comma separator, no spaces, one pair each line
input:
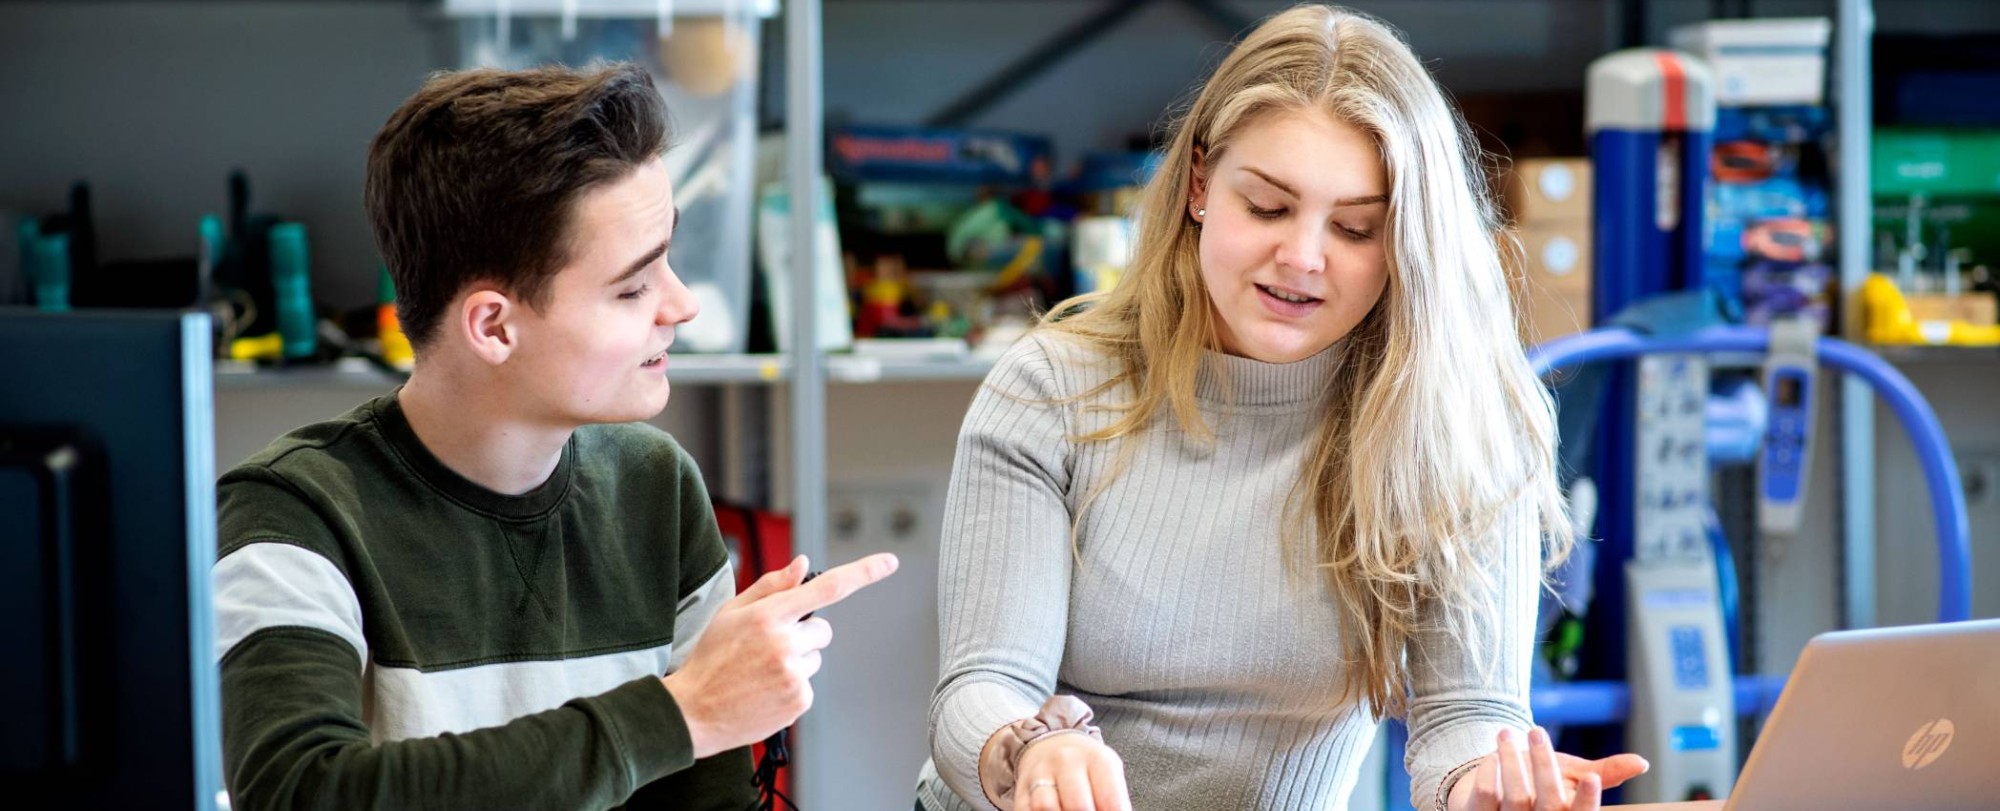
[1213,674]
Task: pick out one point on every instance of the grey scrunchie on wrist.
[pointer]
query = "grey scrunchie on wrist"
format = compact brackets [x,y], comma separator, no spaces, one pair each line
[998,762]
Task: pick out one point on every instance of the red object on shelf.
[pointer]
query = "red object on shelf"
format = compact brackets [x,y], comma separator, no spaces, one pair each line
[759,541]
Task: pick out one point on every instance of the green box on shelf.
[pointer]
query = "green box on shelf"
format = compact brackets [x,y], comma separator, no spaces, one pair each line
[1936,161]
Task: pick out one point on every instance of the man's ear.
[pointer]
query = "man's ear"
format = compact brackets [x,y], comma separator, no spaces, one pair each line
[486,319]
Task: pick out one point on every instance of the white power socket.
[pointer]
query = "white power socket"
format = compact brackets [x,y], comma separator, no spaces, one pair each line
[883,662]
[882,514]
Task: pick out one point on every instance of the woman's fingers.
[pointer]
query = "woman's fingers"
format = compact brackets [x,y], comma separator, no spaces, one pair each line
[1516,790]
[1548,779]
[1042,795]
[1589,794]
[1617,769]
[1107,782]
[1485,784]
[1070,772]
[1074,789]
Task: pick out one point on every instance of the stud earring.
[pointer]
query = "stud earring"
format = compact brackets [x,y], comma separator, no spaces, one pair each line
[1201,212]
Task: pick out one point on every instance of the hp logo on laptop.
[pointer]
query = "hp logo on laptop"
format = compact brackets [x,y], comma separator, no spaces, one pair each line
[1928,744]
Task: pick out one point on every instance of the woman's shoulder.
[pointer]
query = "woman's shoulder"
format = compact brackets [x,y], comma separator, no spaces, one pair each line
[1049,362]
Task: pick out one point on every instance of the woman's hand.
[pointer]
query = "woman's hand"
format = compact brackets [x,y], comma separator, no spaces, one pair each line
[1070,772]
[1540,779]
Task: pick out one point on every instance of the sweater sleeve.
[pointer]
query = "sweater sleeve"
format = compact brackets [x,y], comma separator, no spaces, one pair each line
[293,656]
[1464,691]
[1004,569]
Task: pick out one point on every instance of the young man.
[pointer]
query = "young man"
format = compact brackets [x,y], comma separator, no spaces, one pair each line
[484,590]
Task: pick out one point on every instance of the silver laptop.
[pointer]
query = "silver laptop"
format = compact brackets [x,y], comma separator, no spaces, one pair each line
[1885,718]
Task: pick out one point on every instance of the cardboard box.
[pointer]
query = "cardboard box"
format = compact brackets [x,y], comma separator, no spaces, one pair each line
[1550,279]
[1543,191]
[1981,309]
[1761,63]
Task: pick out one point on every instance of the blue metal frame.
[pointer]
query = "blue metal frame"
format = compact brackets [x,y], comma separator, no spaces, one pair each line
[1606,702]
[1947,496]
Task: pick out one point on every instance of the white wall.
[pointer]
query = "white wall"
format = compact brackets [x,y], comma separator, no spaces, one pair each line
[1966,397]
[889,446]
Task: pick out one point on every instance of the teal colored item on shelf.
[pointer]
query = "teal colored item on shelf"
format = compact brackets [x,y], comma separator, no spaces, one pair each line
[212,245]
[291,285]
[48,271]
[26,231]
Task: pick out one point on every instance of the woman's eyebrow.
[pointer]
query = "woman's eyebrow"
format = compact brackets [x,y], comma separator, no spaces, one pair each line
[1341,203]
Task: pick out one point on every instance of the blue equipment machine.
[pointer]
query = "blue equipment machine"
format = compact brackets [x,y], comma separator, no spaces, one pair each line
[1782,467]
[1679,742]
[1651,119]
[1651,115]
[1597,702]
[1661,584]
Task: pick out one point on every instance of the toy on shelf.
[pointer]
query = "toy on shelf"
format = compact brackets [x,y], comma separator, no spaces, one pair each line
[1893,320]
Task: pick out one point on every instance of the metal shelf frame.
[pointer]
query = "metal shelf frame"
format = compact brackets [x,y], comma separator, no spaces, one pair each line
[1853,33]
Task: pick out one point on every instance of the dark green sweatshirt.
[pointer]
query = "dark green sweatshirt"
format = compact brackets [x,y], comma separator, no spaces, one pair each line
[394,636]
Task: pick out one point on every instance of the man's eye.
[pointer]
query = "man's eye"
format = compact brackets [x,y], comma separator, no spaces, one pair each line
[635,294]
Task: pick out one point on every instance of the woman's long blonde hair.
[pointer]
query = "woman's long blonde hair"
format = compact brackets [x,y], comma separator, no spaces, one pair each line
[1438,433]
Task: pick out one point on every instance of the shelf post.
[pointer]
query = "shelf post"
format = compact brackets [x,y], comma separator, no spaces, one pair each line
[804,136]
[1853,33]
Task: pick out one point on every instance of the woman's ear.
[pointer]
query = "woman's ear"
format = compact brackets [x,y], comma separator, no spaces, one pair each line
[486,321]
[1198,178]
[1198,185]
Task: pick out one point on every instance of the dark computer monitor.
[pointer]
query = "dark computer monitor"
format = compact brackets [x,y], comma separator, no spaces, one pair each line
[107,537]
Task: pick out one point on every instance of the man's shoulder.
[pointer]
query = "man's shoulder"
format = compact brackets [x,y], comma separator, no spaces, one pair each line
[656,506]
[306,451]
[297,484]
[633,448]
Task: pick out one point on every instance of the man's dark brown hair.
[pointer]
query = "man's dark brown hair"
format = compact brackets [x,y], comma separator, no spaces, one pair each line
[476,177]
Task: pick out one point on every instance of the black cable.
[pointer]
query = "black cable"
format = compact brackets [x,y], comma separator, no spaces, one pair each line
[777,755]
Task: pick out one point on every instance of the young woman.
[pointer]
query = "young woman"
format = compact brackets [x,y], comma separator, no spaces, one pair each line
[1292,475]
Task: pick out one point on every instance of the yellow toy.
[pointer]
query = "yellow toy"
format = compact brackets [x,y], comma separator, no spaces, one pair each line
[262,347]
[1890,320]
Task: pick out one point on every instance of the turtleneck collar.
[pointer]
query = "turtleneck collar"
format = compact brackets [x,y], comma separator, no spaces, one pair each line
[1230,380]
